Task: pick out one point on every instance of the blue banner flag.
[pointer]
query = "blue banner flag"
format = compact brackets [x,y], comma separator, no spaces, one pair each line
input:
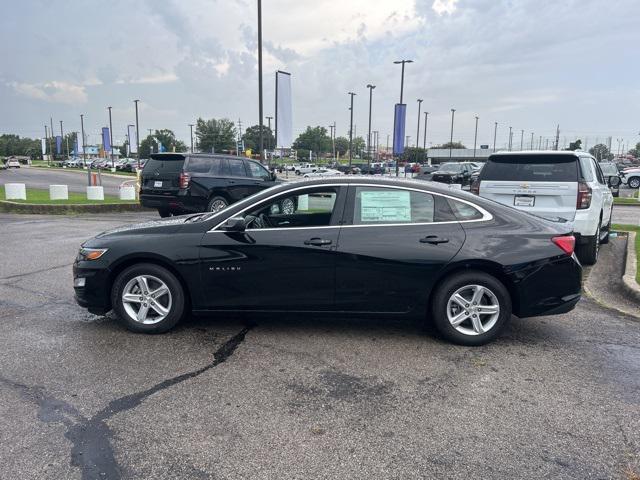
[399,118]
[106,140]
[58,144]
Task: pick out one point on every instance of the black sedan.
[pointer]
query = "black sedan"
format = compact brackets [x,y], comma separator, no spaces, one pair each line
[454,173]
[352,245]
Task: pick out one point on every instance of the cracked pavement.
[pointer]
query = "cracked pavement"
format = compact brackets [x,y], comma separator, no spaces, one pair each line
[297,397]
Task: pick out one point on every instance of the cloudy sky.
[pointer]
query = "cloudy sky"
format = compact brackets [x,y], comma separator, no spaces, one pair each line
[529,64]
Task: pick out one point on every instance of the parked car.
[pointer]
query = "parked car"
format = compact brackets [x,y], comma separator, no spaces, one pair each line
[323,172]
[305,168]
[631,177]
[406,248]
[348,170]
[568,185]
[454,172]
[609,169]
[176,183]
[12,163]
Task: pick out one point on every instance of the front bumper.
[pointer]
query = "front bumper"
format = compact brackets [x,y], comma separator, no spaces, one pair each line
[94,295]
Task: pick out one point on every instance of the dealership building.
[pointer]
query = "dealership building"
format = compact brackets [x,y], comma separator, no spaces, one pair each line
[441,155]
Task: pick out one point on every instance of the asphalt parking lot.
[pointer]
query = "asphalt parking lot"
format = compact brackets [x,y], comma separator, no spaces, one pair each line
[298,397]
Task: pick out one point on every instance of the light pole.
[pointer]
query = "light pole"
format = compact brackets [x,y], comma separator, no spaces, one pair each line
[191,135]
[475,138]
[62,140]
[521,140]
[137,134]
[260,113]
[400,62]
[424,138]
[375,145]
[370,87]
[351,94]
[453,113]
[510,137]
[269,126]
[84,150]
[418,130]
[495,133]
[111,137]
[333,142]
[531,146]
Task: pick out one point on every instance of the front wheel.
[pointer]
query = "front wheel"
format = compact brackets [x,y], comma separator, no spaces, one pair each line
[471,308]
[148,298]
[164,212]
[634,182]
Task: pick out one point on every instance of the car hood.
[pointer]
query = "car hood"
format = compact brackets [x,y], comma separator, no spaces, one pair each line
[443,172]
[165,225]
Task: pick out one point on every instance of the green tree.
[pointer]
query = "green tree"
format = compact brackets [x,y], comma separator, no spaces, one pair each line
[450,145]
[635,152]
[251,138]
[215,135]
[414,155]
[601,152]
[315,139]
[577,145]
[342,146]
[169,141]
[359,146]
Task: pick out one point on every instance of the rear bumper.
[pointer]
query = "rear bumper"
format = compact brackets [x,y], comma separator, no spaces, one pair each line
[548,289]
[173,203]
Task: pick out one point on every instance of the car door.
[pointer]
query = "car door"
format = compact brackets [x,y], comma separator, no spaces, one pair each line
[237,182]
[260,177]
[282,260]
[605,192]
[393,244]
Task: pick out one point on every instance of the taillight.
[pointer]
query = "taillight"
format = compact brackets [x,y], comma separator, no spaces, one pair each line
[584,196]
[184,180]
[475,186]
[567,243]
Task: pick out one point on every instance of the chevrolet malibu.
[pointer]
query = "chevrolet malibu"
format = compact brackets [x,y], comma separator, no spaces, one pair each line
[352,245]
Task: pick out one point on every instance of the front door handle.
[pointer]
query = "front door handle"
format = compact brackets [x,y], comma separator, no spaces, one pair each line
[317,242]
[434,240]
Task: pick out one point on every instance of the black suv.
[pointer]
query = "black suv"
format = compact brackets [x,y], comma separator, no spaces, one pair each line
[177,183]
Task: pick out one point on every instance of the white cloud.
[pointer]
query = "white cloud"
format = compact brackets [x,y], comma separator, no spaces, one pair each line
[56,92]
[444,6]
[149,79]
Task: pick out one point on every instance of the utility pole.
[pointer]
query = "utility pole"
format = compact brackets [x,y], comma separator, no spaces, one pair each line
[191,135]
[52,134]
[351,94]
[453,112]
[531,145]
[137,134]
[269,142]
[557,137]
[495,133]
[475,138]
[84,150]
[239,141]
[424,138]
[111,137]
[370,87]
[375,145]
[510,137]
[260,113]
[400,62]
[418,130]
[333,143]
[540,143]
[521,140]
[61,140]
[47,142]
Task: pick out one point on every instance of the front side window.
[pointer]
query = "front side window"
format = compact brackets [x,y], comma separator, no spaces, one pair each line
[258,171]
[376,205]
[586,171]
[236,168]
[305,208]
[203,165]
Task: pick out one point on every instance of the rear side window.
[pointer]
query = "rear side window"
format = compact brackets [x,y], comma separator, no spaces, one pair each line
[163,167]
[464,211]
[203,165]
[531,168]
[585,169]
[236,168]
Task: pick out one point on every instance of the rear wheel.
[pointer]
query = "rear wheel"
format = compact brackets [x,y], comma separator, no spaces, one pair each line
[634,182]
[471,308]
[164,212]
[216,204]
[588,252]
[607,229]
[148,298]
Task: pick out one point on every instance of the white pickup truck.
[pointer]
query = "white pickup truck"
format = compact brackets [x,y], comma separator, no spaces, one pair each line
[303,168]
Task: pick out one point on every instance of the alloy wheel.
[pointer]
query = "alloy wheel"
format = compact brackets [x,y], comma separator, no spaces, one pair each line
[146,299]
[473,310]
[288,207]
[218,205]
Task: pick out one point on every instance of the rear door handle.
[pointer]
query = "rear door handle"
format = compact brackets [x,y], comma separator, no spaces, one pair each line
[434,240]
[317,242]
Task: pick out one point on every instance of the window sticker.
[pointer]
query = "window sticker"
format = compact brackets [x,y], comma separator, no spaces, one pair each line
[385,206]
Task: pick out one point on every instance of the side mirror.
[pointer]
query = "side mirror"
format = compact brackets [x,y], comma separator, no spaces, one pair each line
[614,181]
[235,224]
[274,177]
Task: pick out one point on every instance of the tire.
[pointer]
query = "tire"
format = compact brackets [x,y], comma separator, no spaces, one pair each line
[465,284]
[588,252]
[173,301]
[217,203]
[605,239]
[634,182]
[164,212]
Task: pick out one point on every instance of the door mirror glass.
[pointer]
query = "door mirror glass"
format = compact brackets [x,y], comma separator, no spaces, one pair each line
[235,224]
[614,181]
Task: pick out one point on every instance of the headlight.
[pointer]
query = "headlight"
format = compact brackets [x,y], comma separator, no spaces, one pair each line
[91,253]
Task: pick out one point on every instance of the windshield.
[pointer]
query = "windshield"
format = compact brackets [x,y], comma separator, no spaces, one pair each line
[531,168]
[609,169]
[169,166]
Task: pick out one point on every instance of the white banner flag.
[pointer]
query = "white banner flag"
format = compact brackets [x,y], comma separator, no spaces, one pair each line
[284,116]
[43,145]
[133,139]
[80,143]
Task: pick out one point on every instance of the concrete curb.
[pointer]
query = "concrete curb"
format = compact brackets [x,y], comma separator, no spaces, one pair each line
[629,278]
[43,209]
[84,172]
[637,204]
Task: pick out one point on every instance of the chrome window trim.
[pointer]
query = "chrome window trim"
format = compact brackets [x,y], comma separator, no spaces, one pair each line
[486,216]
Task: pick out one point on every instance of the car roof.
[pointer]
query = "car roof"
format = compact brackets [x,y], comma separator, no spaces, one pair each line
[576,153]
[185,155]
